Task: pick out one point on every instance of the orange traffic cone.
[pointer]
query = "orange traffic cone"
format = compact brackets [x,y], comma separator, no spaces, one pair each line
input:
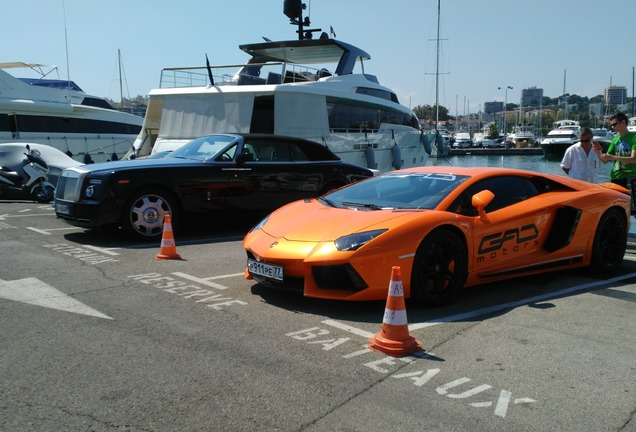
[168,249]
[394,338]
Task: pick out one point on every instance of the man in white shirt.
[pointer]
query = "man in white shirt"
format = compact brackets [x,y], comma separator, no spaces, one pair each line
[580,161]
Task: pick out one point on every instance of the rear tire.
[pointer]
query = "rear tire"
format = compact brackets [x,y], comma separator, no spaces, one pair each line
[145,211]
[439,269]
[610,241]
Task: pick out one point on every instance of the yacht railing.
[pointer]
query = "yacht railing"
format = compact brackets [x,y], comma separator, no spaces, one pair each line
[243,74]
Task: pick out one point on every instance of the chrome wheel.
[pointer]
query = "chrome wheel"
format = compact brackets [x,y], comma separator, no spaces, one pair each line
[145,214]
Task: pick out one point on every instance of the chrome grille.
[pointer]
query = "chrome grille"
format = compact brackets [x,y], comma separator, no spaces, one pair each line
[69,185]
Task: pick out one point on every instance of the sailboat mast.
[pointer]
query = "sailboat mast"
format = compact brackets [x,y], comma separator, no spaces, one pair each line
[121,85]
[437,71]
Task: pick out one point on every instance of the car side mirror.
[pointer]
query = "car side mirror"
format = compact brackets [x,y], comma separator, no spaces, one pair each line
[480,200]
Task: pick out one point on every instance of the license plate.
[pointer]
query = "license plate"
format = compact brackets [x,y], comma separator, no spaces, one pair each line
[64,209]
[262,269]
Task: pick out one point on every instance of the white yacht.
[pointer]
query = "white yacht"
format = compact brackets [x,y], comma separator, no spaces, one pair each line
[564,134]
[58,113]
[522,136]
[631,124]
[288,88]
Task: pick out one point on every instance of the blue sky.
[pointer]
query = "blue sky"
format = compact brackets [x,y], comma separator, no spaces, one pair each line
[485,44]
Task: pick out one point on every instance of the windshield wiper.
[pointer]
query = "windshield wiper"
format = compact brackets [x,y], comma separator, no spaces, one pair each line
[364,205]
[325,200]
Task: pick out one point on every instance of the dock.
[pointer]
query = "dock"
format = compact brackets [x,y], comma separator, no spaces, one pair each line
[522,151]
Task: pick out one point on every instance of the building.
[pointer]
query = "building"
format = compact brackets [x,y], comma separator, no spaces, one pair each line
[493,107]
[531,97]
[596,109]
[615,95]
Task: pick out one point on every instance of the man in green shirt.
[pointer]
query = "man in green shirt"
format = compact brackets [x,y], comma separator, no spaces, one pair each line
[622,150]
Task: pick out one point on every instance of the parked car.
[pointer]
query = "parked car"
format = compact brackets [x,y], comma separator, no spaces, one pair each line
[490,143]
[446,227]
[248,173]
[462,140]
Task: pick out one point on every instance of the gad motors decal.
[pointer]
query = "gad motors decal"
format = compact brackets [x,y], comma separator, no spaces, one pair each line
[508,242]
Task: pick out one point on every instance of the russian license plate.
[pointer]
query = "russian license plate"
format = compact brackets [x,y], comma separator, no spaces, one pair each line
[64,209]
[262,269]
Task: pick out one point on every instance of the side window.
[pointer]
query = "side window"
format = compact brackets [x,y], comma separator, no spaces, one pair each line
[297,153]
[508,190]
[270,151]
[227,155]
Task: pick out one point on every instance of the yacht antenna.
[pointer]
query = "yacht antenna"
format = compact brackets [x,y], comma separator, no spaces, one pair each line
[293,9]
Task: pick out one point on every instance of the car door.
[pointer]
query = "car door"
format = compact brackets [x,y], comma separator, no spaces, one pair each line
[267,179]
[513,229]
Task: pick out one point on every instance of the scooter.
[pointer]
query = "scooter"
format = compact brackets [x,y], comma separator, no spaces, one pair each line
[29,179]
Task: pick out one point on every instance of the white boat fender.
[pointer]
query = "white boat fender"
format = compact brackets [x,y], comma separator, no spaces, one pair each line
[370,155]
[397,157]
[426,143]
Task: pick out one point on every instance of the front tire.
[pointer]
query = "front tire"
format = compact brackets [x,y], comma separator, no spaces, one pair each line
[44,194]
[144,214]
[439,269]
[610,241]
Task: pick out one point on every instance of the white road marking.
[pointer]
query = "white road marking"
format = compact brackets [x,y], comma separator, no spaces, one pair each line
[48,231]
[107,251]
[35,292]
[348,328]
[39,231]
[497,308]
[205,282]
[4,216]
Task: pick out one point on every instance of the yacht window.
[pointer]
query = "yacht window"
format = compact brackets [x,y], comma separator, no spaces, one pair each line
[382,94]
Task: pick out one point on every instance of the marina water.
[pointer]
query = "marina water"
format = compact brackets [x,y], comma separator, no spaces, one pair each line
[537,163]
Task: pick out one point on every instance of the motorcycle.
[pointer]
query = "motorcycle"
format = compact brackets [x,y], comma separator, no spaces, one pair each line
[30,178]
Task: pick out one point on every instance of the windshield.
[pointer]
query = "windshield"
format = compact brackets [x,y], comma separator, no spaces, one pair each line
[396,191]
[203,148]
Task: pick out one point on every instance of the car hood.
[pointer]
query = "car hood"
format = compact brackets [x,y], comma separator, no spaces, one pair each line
[312,221]
[136,164]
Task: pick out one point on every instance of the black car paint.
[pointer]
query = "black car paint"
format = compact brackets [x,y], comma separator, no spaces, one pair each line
[240,185]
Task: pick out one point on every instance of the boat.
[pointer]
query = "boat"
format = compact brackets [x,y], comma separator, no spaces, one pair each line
[522,136]
[631,124]
[462,140]
[287,88]
[603,137]
[564,134]
[60,114]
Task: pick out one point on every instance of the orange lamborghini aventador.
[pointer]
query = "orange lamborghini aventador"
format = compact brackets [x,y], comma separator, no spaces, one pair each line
[446,227]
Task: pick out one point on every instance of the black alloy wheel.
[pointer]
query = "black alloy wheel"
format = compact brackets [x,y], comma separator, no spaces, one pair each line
[610,241]
[439,269]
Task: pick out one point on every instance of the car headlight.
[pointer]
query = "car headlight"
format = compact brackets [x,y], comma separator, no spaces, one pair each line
[261,224]
[90,189]
[353,242]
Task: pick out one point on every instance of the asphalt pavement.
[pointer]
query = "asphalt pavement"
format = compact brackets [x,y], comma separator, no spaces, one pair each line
[98,334]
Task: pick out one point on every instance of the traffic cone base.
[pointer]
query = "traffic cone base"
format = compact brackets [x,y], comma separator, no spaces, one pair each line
[394,338]
[168,248]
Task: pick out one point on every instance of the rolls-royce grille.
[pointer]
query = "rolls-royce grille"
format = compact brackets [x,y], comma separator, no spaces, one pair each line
[68,186]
